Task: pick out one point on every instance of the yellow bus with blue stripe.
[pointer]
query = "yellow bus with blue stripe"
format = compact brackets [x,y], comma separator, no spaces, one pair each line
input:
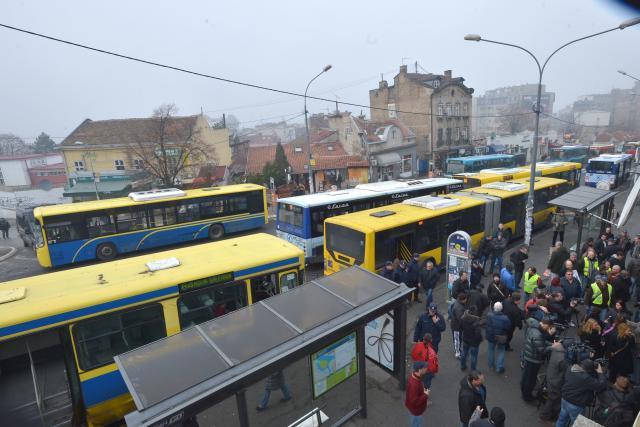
[59,331]
[421,225]
[103,229]
[569,171]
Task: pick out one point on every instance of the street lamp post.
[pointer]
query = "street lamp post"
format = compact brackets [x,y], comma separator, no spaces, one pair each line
[536,109]
[629,75]
[306,124]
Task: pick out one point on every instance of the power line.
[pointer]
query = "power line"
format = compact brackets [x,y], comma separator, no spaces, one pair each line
[222,79]
[573,123]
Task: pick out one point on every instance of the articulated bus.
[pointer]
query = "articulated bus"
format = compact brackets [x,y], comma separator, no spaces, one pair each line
[372,237]
[102,229]
[608,171]
[59,331]
[300,219]
[477,163]
[562,170]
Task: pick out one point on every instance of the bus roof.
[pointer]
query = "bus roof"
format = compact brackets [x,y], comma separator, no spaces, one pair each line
[400,214]
[613,158]
[63,293]
[552,165]
[569,147]
[514,187]
[482,157]
[68,208]
[363,191]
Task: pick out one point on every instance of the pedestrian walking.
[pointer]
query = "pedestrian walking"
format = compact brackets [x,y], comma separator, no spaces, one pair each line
[428,280]
[496,418]
[416,395]
[471,338]
[431,323]
[518,258]
[4,228]
[497,331]
[472,394]
[424,351]
[274,382]
[559,222]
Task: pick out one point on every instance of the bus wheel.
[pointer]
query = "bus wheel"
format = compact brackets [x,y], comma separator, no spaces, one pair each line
[106,252]
[216,231]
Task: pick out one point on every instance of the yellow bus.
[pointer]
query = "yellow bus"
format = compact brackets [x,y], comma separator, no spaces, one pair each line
[102,229]
[59,331]
[372,237]
[562,170]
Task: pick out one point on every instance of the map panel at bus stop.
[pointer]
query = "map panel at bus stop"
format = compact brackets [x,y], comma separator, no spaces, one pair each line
[334,364]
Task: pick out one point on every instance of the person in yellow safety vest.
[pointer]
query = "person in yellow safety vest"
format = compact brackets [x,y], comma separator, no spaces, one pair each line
[532,280]
[597,297]
[589,266]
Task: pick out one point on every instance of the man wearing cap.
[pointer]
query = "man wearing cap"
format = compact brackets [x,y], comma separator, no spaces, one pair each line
[416,395]
[496,419]
[597,297]
[578,390]
[432,323]
[497,331]
[413,276]
[388,272]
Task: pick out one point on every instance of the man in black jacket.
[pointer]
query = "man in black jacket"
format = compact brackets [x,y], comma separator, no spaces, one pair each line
[578,390]
[457,311]
[485,249]
[518,258]
[510,307]
[412,278]
[537,343]
[429,280]
[461,284]
[471,337]
[432,323]
[472,394]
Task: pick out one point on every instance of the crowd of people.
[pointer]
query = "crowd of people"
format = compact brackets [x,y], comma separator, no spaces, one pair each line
[579,317]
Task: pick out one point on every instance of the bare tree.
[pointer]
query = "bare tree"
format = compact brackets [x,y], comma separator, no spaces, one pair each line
[11,145]
[171,147]
[514,119]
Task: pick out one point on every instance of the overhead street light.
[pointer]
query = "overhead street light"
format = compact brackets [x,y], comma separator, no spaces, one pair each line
[628,75]
[306,124]
[541,68]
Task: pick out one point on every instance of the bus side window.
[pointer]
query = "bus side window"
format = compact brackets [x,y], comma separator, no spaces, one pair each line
[161,216]
[188,212]
[101,225]
[131,221]
[263,287]
[99,339]
[206,304]
[288,281]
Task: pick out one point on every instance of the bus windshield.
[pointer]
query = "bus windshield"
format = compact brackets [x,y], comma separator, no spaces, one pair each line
[290,214]
[345,241]
[600,167]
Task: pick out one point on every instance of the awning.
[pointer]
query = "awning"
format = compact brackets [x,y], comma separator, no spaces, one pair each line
[583,199]
[106,187]
[387,159]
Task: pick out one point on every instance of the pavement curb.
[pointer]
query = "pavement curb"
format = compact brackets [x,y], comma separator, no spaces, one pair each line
[12,252]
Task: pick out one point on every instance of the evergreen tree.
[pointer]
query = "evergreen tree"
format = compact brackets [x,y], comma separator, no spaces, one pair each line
[43,144]
[278,168]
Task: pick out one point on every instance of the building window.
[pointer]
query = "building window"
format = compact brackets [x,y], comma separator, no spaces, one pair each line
[465,109]
[449,111]
[407,160]
[440,141]
[37,162]
[392,111]
[1,178]
[448,135]
[393,134]
[79,165]
[119,165]
[440,109]
[347,131]
[436,83]
[297,149]
[456,109]
[457,134]
[137,164]
[464,132]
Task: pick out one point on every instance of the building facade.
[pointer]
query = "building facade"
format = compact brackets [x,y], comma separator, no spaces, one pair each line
[436,107]
[32,170]
[510,99]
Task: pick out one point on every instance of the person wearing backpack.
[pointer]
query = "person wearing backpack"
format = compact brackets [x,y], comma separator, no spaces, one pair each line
[424,351]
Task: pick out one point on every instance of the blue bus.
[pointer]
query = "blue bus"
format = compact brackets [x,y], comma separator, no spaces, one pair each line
[455,165]
[608,171]
[570,153]
[103,229]
[300,219]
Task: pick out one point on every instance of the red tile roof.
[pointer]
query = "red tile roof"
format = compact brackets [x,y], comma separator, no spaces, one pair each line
[337,158]
[603,137]
[321,135]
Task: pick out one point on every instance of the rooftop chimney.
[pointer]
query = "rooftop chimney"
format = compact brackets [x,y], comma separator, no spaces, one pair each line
[383,84]
[403,69]
[447,74]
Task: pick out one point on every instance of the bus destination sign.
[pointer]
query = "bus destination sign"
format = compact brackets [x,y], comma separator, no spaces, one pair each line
[207,281]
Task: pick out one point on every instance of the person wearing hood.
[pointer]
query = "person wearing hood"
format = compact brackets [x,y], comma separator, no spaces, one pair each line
[472,394]
[581,381]
[555,378]
[496,419]
[537,344]
[471,337]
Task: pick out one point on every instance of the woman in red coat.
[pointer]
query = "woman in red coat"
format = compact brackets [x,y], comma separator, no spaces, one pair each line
[424,352]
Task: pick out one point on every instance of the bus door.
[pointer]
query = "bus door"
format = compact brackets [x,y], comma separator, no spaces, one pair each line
[263,286]
[288,279]
[35,386]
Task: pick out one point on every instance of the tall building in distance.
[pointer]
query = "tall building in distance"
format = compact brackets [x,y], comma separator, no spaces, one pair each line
[506,100]
[436,109]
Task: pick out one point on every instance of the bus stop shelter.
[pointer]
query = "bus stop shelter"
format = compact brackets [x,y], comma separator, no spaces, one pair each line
[178,377]
[584,201]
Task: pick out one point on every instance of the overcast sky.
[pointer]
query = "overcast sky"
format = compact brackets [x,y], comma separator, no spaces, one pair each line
[51,87]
